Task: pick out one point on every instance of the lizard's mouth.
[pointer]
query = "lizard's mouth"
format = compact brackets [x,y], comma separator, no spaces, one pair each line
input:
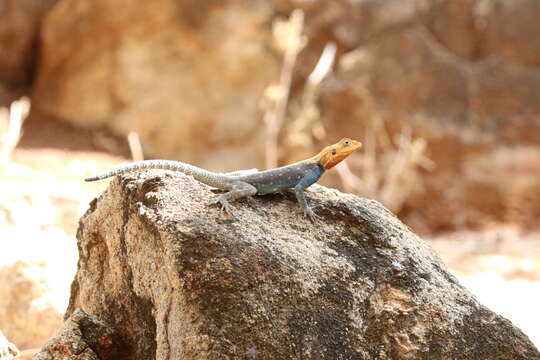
[343,153]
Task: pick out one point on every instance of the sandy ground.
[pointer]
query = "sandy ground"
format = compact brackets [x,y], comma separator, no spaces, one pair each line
[43,197]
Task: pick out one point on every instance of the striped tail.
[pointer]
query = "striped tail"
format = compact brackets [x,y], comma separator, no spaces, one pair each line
[220,181]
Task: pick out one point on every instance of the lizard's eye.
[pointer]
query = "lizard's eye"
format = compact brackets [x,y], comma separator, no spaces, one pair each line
[334,152]
[346,143]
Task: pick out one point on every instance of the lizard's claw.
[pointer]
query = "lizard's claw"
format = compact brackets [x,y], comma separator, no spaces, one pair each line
[225,205]
[311,215]
[251,200]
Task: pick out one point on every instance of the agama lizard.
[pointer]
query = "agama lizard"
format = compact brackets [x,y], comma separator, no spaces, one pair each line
[297,176]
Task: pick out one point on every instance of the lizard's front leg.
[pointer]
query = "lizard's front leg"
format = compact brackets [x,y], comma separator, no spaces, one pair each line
[239,190]
[301,197]
[308,179]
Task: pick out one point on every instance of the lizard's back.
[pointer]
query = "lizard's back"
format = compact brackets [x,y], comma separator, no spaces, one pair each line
[285,177]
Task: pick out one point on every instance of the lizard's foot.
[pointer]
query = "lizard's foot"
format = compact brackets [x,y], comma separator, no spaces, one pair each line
[251,200]
[311,215]
[225,205]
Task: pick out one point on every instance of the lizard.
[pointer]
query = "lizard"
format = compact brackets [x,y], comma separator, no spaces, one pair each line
[239,184]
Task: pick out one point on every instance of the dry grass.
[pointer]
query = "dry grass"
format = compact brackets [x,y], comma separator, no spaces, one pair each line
[306,125]
[289,40]
[135,146]
[391,163]
[390,168]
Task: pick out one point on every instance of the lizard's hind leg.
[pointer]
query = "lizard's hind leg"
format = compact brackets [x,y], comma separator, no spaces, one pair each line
[239,190]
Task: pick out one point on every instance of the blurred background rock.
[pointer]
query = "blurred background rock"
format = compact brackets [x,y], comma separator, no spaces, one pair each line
[445,95]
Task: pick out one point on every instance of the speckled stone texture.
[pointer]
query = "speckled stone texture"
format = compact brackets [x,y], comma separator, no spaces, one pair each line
[83,337]
[177,279]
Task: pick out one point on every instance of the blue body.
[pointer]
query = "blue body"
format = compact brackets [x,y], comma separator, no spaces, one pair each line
[300,175]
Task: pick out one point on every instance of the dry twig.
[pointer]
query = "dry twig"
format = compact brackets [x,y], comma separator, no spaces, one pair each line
[135,147]
[289,39]
[390,167]
[11,122]
[306,124]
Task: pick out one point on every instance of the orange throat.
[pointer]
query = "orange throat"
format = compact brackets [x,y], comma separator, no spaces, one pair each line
[334,161]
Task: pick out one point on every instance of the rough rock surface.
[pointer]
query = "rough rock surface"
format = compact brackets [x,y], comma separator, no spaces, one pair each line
[187,76]
[179,280]
[82,337]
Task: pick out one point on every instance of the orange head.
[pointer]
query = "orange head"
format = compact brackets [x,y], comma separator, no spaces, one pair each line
[332,155]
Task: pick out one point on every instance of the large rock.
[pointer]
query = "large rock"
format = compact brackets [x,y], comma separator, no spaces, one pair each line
[82,337]
[187,76]
[177,279]
[20,21]
[508,31]
[472,29]
[413,79]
